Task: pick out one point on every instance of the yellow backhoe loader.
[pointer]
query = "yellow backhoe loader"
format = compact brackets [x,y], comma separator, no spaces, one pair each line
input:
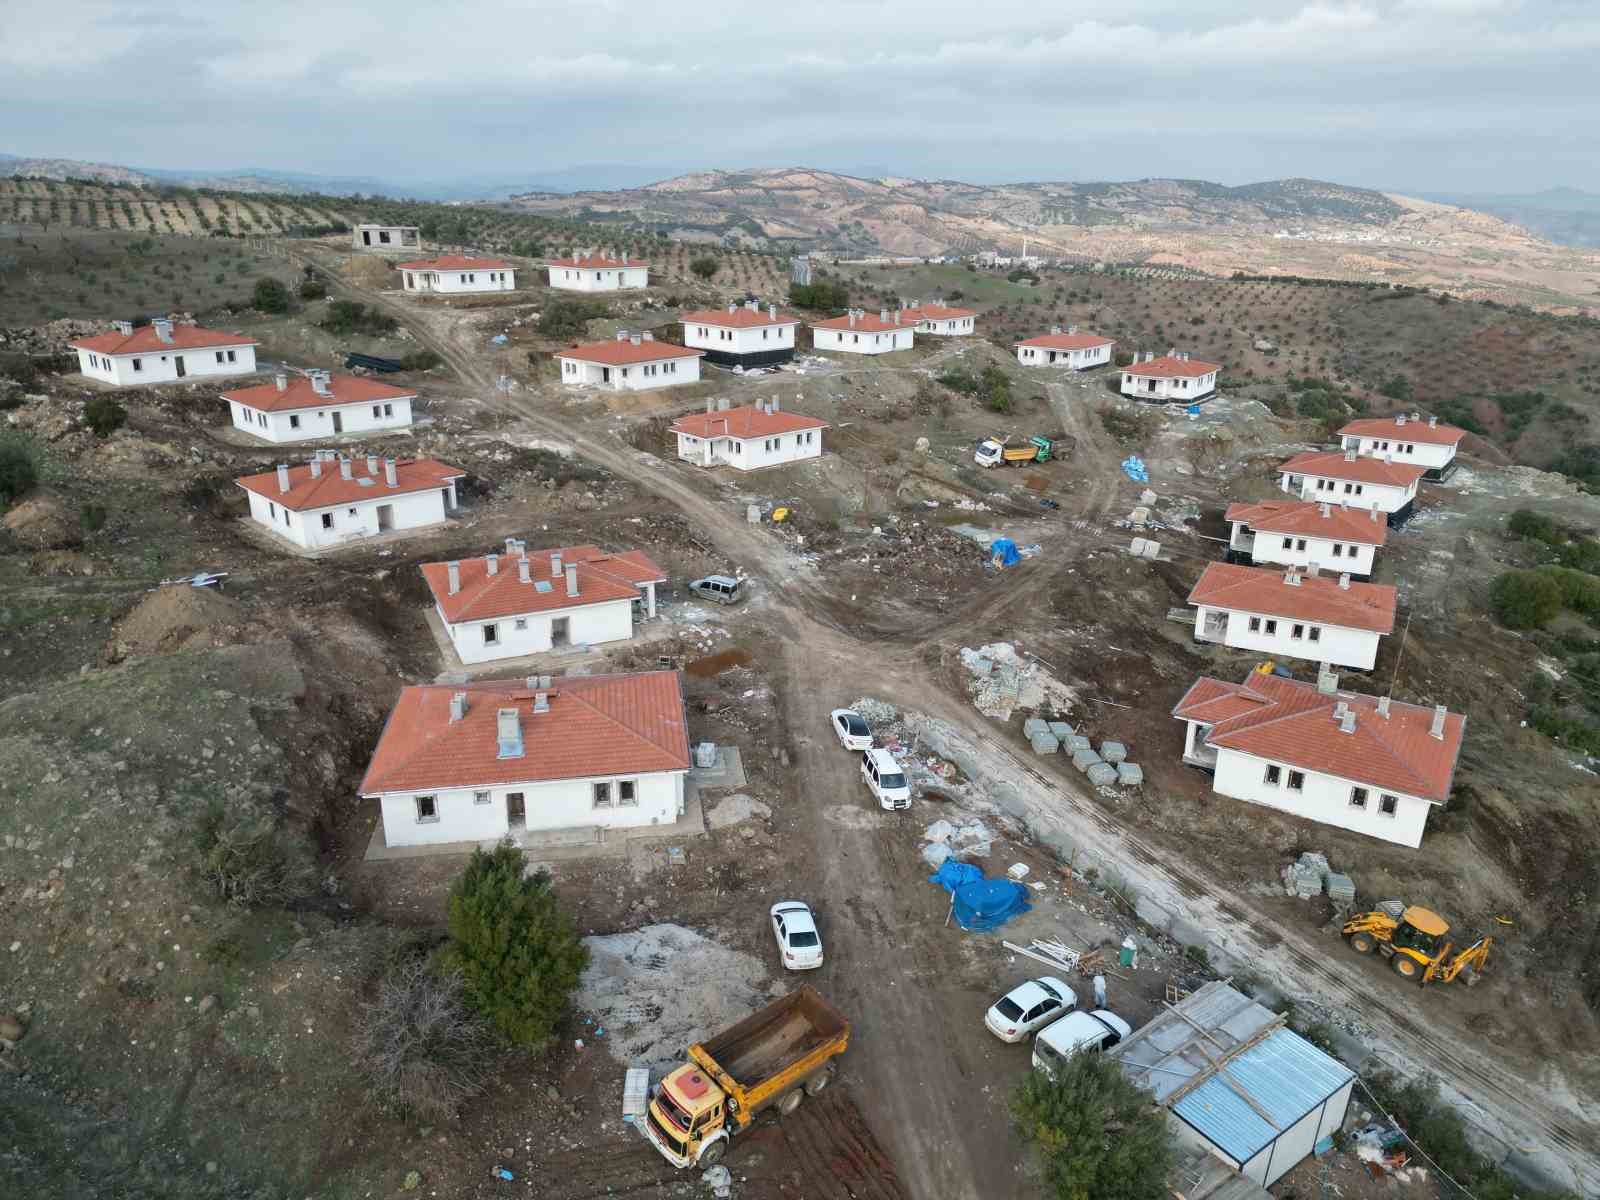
[1417,944]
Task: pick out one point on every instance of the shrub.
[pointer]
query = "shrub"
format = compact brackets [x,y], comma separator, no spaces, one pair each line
[822,296]
[704,265]
[1397,387]
[313,289]
[1096,1132]
[1529,524]
[420,1048]
[516,949]
[996,389]
[104,415]
[570,318]
[1524,599]
[420,360]
[92,516]
[270,296]
[245,859]
[18,474]
[349,316]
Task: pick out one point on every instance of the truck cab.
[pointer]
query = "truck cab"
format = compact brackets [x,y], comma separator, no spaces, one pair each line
[686,1118]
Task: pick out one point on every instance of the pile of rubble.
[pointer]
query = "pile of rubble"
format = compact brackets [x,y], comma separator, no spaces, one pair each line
[1310,875]
[1003,681]
[946,839]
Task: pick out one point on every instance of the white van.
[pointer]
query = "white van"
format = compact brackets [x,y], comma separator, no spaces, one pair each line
[1097,1030]
[886,779]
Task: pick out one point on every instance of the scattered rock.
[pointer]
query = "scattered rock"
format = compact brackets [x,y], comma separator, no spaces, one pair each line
[207,1003]
[11,1027]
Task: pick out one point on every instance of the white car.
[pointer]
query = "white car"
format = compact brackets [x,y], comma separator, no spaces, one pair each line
[886,779]
[851,730]
[1097,1030]
[796,930]
[1029,1007]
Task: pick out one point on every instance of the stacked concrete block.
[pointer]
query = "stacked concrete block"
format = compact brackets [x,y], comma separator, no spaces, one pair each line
[1341,888]
[1113,752]
[1075,743]
[1044,743]
[1033,727]
[1130,774]
[1101,774]
[1084,759]
[1062,731]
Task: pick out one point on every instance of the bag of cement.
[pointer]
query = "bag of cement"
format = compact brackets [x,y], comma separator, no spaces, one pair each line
[1130,774]
[1102,774]
[1034,726]
[1084,759]
[934,854]
[1061,731]
[1075,743]
[1113,752]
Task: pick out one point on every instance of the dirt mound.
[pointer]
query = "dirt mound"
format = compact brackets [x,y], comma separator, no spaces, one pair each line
[366,271]
[176,618]
[41,521]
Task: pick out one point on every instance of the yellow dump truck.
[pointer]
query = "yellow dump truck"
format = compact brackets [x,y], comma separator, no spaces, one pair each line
[773,1058]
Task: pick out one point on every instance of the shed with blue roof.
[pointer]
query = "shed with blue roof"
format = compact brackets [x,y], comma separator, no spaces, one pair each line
[1238,1082]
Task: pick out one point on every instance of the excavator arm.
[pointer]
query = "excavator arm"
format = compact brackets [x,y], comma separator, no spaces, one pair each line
[1472,960]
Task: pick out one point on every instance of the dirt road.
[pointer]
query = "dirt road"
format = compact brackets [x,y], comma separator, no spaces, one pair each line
[912,1088]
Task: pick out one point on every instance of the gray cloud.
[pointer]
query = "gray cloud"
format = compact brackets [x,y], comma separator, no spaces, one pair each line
[1421,94]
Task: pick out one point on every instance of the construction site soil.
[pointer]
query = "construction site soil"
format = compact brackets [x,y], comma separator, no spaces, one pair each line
[126,705]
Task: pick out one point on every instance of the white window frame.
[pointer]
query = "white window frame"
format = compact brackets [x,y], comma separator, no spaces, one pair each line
[1388,805]
[1359,797]
[481,797]
[627,793]
[431,802]
[600,794]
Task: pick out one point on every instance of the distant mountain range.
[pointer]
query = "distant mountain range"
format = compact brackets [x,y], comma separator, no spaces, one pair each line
[1566,216]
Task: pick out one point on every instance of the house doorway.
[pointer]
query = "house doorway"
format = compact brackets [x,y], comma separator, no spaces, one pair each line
[560,632]
[516,812]
[385,518]
[338,422]
[366,237]
[177,361]
[605,374]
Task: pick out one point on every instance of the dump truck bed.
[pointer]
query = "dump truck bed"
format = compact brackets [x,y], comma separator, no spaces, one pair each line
[779,1036]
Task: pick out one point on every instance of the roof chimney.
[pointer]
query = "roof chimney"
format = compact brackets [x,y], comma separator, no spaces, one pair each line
[1344,582]
[1312,570]
[1291,578]
[1055,329]
[282,381]
[453,571]
[732,308]
[711,405]
[722,404]
[1070,329]
[522,571]
[572,581]
[647,336]
[772,312]
[508,731]
[163,328]
[852,317]
[555,565]
[125,328]
[1433,422]
[511,546]
[1325,511]
[1415,417]
[1436,730]
[883,315]
[1372,515]
[1327,681]
[372,464]
[635,339]
[283,477]
[320,383]
[1349,456]
[773,407]
[1347,723]
[753,305]
[541,702]
[391,472]
[345,468]
[622,335]
[491,564]
[458,707]
[1383,707]
[1400,419]
[316,466]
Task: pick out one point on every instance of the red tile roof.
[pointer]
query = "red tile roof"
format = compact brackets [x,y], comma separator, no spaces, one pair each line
[598,725]
[1368,606]
[1291,722]
[621,353]
[746,421]
[298,393]
[1363,468]
[1364,525]
[143,340]
[455,262]
[935,312]
[1068,341]
[599,262]
[330,488]
[602,577]
[1404,429]
[1168,367]
[740,318]
[865,323]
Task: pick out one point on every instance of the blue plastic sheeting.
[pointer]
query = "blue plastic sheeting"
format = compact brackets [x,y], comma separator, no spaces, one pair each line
[1006,550]
[979,903]
[1133,467]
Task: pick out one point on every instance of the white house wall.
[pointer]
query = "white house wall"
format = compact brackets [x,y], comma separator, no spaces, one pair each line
[1296,1143]
[948,326]
[349,522]
[1075,360]
[1335,644]
[635,377]
[742,340]
[1323,798]
[749,454]
[310,424]
[1162,388]
[458,282]
[1421,454]
[1381,496]
[1354,558]
[856,341]
[599,279]
[562,804]
[161,366]
[587,624]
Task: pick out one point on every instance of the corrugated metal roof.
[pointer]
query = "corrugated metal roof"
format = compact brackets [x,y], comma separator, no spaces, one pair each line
[1284,1074]
[1161,1056]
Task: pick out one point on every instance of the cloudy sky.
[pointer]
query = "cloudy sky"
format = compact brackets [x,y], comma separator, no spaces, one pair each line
[1416,95]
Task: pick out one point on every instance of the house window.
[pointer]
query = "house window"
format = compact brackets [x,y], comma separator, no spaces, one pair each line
[272,510]
[377,411]
[491,634]
[520,624]
[1300,545]
[233,356]
[627,793]
[1272,628]
[1338,550]
[219,355]
[1297,781]
[808,439]
[327,520]
[1255,624]
[138,364]
[1314,633]
[602,795]
[427,809]
[351,511]
[1274,773]
[294,421]
[1288,543]
[1297,632]
[1358,797]
[388,410]
[1387,805]
[480,797]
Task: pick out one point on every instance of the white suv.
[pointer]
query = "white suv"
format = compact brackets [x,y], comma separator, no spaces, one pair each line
[886,779]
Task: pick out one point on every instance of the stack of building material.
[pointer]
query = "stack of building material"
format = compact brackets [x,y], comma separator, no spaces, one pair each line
[1341,889]
[635,1093]
[1304,876]
[1113,752]
[1034,726]
[1062,731]
[705,754]
[1048,951]
[1084,759]
[1130,774]
[1075,743]
[1044,743]
[1101,774]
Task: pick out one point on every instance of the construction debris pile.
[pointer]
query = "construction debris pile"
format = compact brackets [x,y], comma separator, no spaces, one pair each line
[1054,953]
[949,840]
[1003,680]
[1310,875]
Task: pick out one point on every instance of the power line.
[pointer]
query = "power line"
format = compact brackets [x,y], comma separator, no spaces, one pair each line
[1412,1141]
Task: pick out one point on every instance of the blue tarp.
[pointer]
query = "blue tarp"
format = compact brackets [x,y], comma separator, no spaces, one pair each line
[980,903]
[1133,468]
[1006,550]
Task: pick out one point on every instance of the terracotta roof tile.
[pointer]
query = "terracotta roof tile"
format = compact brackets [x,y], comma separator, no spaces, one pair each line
[935,312]
[456,262]
[602,578]
[1169,367]
[1068,341]
[1337,464]
[598,725]
[1404,429]
[740,318]
[1368,606]
[1364,525]
[598,262]
[143,340]
[746,421]
[298,393]
[308,491]
[865,323]
[621,353]
[1292,722]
